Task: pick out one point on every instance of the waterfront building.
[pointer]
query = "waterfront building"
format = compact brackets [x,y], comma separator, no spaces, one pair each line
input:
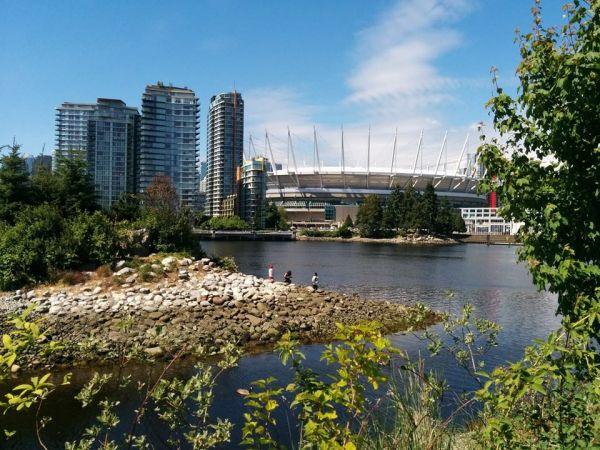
[71,130]
[169,140]
[487,221]
[225,140]
[106,135]
[254,191]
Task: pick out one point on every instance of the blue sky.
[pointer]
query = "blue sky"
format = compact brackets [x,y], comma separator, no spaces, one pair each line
[411,64]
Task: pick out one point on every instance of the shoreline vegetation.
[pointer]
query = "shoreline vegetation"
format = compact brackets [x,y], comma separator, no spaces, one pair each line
[161,306]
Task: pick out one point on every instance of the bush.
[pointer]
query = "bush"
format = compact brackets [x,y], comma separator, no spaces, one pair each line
[168,232]
[228,263]
[31,247]
[227,223]
[90,239]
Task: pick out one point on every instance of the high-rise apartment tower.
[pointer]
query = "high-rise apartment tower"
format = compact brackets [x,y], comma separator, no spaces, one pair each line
[169,139]
[106,135]
[224,152]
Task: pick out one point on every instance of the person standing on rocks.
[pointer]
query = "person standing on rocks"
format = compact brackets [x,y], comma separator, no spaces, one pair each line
[271,278]
[315,281]
[287,277]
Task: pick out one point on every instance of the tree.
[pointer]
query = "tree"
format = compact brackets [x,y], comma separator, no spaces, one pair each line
[448,219]
[429,208]
[76,189]
[275,217]
[348,223]
[161,195]
[369,218]
[410,216]
[546,172]
[392,214]
[15,190]
[545,168]
[127,207]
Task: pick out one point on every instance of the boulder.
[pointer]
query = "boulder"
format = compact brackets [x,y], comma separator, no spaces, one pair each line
[124,271]
[154,352]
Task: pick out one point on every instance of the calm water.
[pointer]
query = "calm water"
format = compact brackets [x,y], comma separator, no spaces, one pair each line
[486,276]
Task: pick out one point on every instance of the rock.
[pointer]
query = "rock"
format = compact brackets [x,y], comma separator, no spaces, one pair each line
[254,321]
[168,261]
[120,264]
[155,315]
[204,303]
[154,352]
[15,368]
[124,271]
[218,300]
[185,262]
[96,290]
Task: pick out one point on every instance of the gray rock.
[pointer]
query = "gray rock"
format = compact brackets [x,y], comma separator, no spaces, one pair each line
[124,271]
[154,352]
[168,261]
[120,264]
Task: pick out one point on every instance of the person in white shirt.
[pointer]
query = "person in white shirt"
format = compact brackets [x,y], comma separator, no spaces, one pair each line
[315,281]
[271,278]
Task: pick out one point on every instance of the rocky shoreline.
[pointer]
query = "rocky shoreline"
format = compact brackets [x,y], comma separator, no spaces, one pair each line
[423,240]
[192,304]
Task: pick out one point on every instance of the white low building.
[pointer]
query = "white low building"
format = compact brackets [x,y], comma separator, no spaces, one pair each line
[487,221]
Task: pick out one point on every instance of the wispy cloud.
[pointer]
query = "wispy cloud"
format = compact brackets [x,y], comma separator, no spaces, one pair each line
[396,82]
[397,55]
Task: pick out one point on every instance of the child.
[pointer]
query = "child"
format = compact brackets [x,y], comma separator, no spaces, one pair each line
[271,278]
[315,281]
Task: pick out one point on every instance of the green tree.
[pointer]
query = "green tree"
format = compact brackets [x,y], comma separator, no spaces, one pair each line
[410,216]
[392,213]
[32,247]
[348,223]
[127,207]
[428,209]
[15,187]
[448,219]
[369,218]
[545,168]
[76,188]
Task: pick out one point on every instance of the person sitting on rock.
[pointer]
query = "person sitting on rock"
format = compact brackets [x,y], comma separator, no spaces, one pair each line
[287,277]
[315,281]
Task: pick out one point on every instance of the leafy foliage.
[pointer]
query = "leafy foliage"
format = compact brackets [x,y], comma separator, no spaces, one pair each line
[226,223]
[545,170]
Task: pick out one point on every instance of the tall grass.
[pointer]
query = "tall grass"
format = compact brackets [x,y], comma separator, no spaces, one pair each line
[410,419]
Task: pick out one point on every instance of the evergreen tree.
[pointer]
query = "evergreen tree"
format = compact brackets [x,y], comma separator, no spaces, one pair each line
[392,214]
[76,188]
[410,209]
[348,223]
[15,188]
[428,208]
[127,207]
[369,218]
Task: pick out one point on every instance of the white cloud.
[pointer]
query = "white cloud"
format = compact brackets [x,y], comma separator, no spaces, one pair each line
[396,56]
[395,83]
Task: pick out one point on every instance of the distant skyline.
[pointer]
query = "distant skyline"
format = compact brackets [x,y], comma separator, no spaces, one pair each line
[411,64]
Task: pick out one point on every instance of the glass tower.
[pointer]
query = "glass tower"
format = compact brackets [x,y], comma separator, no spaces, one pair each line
[169,140]
[106,135]
[224,152]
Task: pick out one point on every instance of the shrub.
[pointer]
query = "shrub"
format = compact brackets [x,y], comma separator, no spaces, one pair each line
[228,263]
[227,223]
[168,232]
[31,247]
[90,239]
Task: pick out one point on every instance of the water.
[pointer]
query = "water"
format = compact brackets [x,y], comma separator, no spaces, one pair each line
[486,276]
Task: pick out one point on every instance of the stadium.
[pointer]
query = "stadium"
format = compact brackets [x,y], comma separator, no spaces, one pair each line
[317,195]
